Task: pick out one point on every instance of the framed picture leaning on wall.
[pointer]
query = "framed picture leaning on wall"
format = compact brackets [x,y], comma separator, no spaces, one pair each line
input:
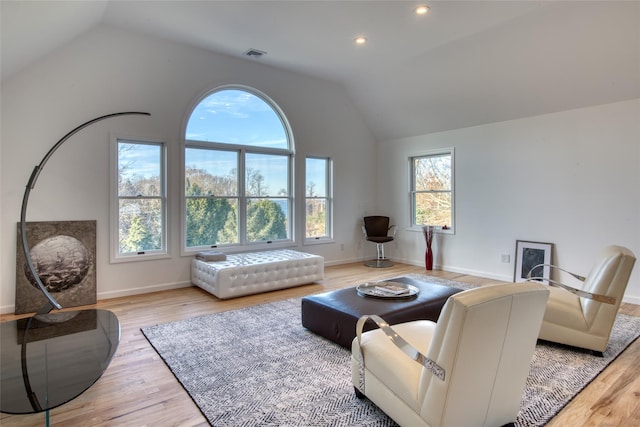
[529,255]
[64,255]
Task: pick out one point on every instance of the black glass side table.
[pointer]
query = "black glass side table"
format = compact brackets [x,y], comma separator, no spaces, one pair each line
[48,360]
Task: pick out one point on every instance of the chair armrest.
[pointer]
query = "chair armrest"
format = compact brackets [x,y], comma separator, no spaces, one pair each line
[364,232]
[579,292]
[400,342]
[577,276]
[394,230]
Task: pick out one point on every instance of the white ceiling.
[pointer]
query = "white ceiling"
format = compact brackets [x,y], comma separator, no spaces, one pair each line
[463,64]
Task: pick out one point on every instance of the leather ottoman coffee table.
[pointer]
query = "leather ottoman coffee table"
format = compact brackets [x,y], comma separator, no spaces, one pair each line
[334,314]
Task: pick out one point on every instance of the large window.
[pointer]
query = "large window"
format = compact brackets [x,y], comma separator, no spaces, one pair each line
[318,202]
[432,198]
[237,172]
[139,208]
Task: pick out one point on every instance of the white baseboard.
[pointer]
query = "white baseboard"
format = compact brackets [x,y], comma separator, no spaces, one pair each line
[344,261]
[631,299]
[143,290]
[454,269]
[478,273]
[7,309]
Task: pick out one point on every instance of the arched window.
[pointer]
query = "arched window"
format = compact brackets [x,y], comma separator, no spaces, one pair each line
[238,160]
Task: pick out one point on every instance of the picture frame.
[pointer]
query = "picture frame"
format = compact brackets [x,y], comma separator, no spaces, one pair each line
[530,254]
[64,253]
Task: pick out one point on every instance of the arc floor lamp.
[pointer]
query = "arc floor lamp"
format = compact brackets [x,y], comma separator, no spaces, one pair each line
[51,303]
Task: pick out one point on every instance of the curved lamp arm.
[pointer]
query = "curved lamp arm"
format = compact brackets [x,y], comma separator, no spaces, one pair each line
[51,302]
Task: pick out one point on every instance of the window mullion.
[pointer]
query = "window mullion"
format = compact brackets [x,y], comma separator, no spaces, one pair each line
[242,197]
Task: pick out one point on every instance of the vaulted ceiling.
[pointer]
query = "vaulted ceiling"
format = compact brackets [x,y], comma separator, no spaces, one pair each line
[464,63]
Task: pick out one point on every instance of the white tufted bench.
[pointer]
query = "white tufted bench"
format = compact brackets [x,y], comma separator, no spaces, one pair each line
[256,272]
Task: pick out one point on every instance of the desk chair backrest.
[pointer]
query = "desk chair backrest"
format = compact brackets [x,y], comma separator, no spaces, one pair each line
[376,226]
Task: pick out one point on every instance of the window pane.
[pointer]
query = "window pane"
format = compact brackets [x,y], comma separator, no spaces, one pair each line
[211,172]
[317,198]
[238,174]
[433,209]
[432,173]
[266,175]
[267,219]
[237,117]
[211,221]
[140,225]
[139,169]
[316,177]
[316,218]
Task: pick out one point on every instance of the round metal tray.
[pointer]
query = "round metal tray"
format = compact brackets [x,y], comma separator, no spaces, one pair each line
[377,290]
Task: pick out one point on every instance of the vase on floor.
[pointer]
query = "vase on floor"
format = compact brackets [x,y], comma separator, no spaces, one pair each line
[428,259]
[428,238]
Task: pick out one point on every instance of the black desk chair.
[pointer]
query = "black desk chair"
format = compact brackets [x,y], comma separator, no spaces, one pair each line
[376,229]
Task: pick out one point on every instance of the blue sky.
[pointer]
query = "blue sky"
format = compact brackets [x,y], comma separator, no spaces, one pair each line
[315,170]
[236,117]
[141,159]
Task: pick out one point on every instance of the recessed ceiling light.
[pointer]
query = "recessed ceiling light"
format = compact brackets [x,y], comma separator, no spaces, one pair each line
[422,10]
[360,40]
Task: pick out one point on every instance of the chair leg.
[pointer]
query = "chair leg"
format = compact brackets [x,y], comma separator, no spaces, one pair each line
[380,261]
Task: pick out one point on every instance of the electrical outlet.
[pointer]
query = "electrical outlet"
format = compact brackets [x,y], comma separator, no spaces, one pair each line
[506,258]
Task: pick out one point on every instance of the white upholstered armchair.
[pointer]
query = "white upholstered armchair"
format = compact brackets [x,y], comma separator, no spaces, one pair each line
[468,369]
[583,317]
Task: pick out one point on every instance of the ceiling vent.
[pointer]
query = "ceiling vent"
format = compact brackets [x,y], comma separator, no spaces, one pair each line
[254,53]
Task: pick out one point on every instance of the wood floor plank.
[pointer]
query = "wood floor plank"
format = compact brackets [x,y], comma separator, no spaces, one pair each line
[139,390]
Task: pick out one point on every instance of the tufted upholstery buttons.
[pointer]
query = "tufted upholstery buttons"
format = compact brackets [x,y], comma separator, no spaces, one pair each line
[256,272]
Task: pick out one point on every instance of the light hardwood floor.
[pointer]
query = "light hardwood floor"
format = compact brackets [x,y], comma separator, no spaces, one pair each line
[139,390]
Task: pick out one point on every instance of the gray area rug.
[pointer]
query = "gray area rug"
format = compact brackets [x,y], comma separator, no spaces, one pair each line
[258,366]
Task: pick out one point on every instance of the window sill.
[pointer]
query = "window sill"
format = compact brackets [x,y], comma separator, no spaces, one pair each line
[138,258]
[438,230]
[253,247]
[319,241]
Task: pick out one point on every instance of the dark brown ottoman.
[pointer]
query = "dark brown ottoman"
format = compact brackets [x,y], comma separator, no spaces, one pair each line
[334,314]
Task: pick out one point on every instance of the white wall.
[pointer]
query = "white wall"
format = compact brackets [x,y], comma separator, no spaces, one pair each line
[109,70]
[570,178]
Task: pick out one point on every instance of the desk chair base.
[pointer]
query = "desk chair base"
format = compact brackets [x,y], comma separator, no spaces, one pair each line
[379,263]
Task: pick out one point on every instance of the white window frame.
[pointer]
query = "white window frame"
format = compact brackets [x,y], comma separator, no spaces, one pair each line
[328,203]
[243,150]
[413,192]
[114,240]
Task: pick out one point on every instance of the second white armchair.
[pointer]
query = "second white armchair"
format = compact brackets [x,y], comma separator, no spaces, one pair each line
[583,316]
